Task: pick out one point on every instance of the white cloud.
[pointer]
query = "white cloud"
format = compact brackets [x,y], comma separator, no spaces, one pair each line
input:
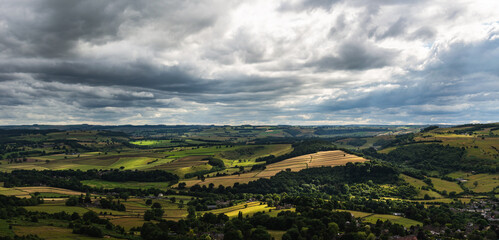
[300,62]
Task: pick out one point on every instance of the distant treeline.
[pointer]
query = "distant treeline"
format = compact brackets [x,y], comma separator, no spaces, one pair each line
[335,131]
[433,157]
[71,178]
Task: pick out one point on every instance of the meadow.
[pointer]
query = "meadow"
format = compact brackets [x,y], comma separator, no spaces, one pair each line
[26,192]
[131,185]
[419,184]
[373,218]
[484,182]
[443,185]
[394,219]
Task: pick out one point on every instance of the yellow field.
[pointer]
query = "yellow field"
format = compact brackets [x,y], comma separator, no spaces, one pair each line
[128,222]
[319,159]
[24,192]
[14,192]
[252,208]
[48,190]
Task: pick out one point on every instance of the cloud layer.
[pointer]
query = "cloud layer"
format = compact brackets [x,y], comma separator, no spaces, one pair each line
[257,62]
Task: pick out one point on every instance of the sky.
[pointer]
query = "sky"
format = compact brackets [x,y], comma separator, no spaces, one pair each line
[302,62]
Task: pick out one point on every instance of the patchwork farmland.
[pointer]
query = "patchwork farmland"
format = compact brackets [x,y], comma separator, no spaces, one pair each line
[319,159]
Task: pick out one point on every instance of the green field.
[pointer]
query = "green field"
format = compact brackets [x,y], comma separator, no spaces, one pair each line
[418,184]
[394,219]
[356,214]
[52,208]
[443,185]
[51,232]
[4,229]
[413,181]
[277,235]
[373,218]
[486,182]
[132,185]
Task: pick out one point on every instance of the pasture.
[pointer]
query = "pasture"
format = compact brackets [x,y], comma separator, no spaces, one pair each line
[406,222]
[46,192]
[356,214]
[443,185]
[51,232]
[319,159]
[373,218]
[4,229]
[32,190]
[131,185]
[14,192]
[277,235]
[55,207]
[418,184]
[484,182]
[413,181]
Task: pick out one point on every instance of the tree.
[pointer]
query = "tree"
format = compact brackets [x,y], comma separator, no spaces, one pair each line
[150,231]
[149,215]
[72,201]
[234,235]
[156,205]
[371,236]
[75,216]
[260,234]
[332,230]
[191,213]
[91,217]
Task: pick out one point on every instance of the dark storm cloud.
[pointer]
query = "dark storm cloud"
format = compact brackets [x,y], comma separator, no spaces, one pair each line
[396,29]
[354,55]
[51,28]
[142,74]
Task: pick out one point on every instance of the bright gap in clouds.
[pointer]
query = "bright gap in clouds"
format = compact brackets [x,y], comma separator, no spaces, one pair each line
[258,62]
